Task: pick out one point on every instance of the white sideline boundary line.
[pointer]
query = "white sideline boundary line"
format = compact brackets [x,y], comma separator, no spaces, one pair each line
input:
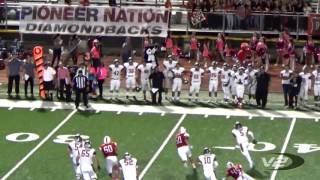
[165,142]
[25,158]
[283,150]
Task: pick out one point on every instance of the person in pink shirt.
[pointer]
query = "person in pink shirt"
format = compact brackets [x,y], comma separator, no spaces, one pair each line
[95,54]
[102,74]
[176,52]
[205,52]
[261,51]
[280,46]
[309,50]
[220,46]
[169,45]
[63,80]
[228,53]
[193,48]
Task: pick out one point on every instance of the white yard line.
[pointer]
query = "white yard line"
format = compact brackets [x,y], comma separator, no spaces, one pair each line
[25,158]
[165,142]
[283,150]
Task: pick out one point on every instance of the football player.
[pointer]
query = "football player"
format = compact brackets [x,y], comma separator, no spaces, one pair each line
[305,77]
[233,85]
[236,172]
[177,82]
[213,71]
[145,71]
[87,161]
[241,135]
[240,80]
[316,86]
[169,64]
[73,148]
[196,76]
[129,167]
[209,163]
[109,150]
[251,82]
[115,69]
[130,70]
[225,77]
[183,147]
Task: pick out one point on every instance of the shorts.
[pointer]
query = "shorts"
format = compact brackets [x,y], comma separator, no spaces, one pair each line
[240,90]
[316,90]
[130,83]
[195,87]
[177,84]
[233,89]
[114,85]
[145,85]
[213,86]
[184,153]
[209,176]
[111,161]
[48,85]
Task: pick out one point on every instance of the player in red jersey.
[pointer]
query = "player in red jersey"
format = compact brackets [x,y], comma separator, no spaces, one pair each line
[236,172]
[109,150]
[184,150]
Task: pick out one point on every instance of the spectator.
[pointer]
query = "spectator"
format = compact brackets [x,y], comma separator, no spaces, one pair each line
[93,82]
[295,84]
[263,80]
[13,71]
[309,50]
[307,9]
[193,48]
[29,69]
[95,54]
[220,46]
[102,73]
[169,44]
[112,3]
[80,85]
[73,48]
[230,16]
[63,77]
[280,46]
[57,49]
[206,53]
[84,2]
[157,84]
[168,4]
[126,50]
[48,80]
[286,75]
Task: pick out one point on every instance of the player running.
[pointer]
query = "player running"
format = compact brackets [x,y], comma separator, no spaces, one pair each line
[209,163]
[214,72]
[236,172]
[130,70]
[73,148]
[241,133]
[87,160]
[145,71]
[183,148]
[109,150]
[177,82]
[129,167]
[115,69]
[316,86]
[196,76]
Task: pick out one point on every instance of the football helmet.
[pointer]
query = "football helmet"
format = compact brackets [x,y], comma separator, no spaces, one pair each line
[206,150]
[237,125]
[107,139]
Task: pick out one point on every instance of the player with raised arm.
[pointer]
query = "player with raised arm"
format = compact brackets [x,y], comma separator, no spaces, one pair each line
[241,135]
[129,167]
[209,163]
[177,82]
[109,150]
[213,72]
[145,71]
[236,172]
[73,148]
[196,76]
[183,147]
[87,161]
[130,70]
[115,69]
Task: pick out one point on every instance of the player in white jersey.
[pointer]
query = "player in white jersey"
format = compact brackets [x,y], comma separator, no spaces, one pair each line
[129,167]
[73,148]
[145,71]
[316,86]
[209,163]
[241,135]
[213,72]
[87,161]
[225,77]
[233,85]
[240,80]
[304,87]
[115,69]
[130,70]
[168,64]
[196,76]
[177,82]
[251,85]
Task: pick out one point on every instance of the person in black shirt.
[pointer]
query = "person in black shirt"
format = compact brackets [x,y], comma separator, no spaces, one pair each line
[157,83]
[263,80]
[14,69]
[294,90]
[80,84]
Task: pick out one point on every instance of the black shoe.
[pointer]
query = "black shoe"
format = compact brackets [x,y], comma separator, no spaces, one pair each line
[10,96]
[18,96]
[127,97]
[134,98]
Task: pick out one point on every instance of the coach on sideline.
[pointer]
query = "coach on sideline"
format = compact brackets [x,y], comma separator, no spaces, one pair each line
[263,79]
[80,85]
[157,83]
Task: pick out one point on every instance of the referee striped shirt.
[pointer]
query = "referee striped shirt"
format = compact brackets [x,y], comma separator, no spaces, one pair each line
[80,81]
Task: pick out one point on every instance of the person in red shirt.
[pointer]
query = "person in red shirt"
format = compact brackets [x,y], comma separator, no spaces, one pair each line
[184,150]
[169,45]
[109,150]
[95,54]
[193,48]
[206,52]
[280,46]
[220,46]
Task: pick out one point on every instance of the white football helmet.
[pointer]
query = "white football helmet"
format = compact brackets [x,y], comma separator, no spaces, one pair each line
[106,139]
[229,164]
[183,129]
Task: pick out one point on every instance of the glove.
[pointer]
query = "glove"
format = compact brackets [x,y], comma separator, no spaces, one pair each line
[254,141]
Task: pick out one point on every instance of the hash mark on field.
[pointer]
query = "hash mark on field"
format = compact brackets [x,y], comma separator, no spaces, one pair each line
[283,150]
[163,113]
[316,120]
[32,109]
[228,117]
[140,113]
[10,108]
[53,109]
[165,142]
[206,116]
[272,118]
[250,117]
[25,158]
[119,112]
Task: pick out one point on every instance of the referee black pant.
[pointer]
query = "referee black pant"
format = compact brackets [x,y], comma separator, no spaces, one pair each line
[84,94]
[154,96]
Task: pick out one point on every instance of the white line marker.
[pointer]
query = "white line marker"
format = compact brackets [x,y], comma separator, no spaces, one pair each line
[228,117]
[10,108]
[250,117]
[316,120]
[283,150]
[140,113]
[32,109]
[163,113]
[165,142]
[272,118]
[97,111]
[25,158]
[53,109]
[119,112]
[206,116]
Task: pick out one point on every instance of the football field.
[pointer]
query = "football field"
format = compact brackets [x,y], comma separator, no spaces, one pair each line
[34,141]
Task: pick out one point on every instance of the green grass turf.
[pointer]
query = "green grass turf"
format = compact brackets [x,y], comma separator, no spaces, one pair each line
[22,120]
[139,135]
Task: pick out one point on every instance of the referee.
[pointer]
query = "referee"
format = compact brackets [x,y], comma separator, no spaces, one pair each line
[80,85]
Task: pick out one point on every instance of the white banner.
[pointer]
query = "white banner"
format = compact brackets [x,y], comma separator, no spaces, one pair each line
[94,21]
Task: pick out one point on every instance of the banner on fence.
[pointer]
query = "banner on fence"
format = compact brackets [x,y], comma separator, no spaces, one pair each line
[94,21]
